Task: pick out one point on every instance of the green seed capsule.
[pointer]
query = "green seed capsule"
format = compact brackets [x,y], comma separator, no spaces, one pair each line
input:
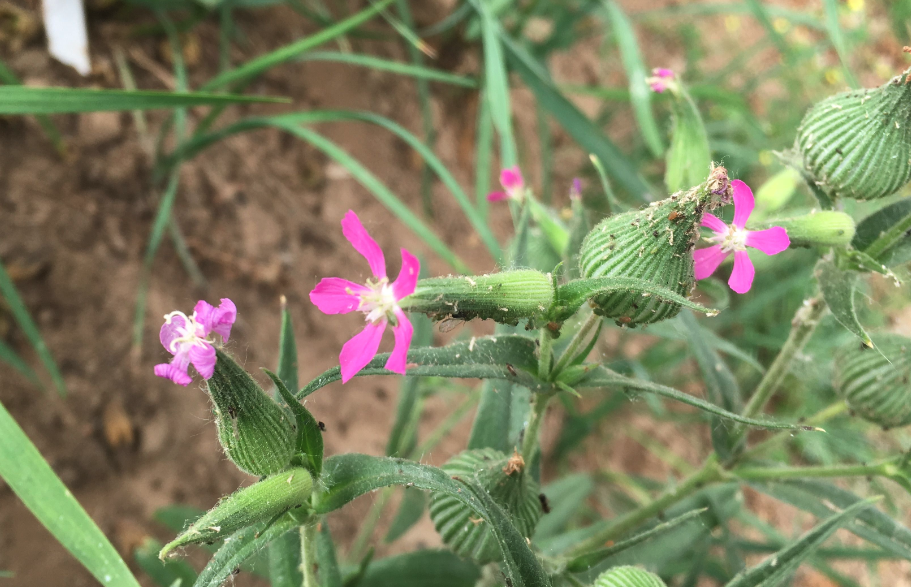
[256,433]
[628,577]
[505,297]
[260,502]
[825,228]
[505,479]
[877,385]
[857,144]
[654,243]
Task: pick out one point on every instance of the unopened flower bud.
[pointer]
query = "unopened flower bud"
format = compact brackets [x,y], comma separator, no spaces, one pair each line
[261,502]
[825,228]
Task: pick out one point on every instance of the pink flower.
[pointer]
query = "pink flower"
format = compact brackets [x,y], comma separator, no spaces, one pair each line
[513,184]
[378,299]
[575,190]
[659,80]
[735,239]
[188,339]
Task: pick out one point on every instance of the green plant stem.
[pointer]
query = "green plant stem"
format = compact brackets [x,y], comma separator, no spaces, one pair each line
[545,353]
[308,554]
[576,343]
[836,409]
[884,468]
[889,238]
[709,473]
[802,327]
[532,431]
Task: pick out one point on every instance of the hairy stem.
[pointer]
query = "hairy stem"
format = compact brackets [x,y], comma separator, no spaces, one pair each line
[545,354]
[532,431]
[835,409]
[885,468]
[889,238]
[709,473]
[576,343]
[308,554]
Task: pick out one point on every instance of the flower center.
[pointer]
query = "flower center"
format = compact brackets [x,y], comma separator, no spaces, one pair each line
[379,303]
[191,332]
[733,240]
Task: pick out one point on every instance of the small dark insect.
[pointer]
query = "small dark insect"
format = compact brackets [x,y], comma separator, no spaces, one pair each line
[674,216]
[655,233]
[545,507]
[322,427]
[511,369]
[635,306]
[236,571]
[508,582]
[839,151]
[232,411]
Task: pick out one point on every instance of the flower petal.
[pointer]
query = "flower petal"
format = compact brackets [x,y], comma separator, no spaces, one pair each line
[716,224]
[169,331]
[407,280]
[497,196]
[203,358]
[331,295]
[708,260]
[770,241]
[218,320]
[173,372]
[402,331]
[511,179]
[358,351]
[742,276]
[743,203]
[662,72]
[363,243]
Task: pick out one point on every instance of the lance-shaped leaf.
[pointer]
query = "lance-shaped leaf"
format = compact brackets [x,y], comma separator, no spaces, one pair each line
[348,476]
[689,156]
[885,235]
[778,567]
[309,436]
[838,288]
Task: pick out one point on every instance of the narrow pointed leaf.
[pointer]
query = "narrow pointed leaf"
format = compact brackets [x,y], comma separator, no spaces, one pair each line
[239,547]
[838,288]
[309,435]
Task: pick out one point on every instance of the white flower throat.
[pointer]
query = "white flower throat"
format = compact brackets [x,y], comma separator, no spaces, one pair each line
[379,303]
[734,239]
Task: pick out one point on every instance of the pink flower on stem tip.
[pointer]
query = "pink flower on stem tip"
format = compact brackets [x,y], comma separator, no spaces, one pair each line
[378,300]
[513,186]
[659,80]
[735,239]
[188,339]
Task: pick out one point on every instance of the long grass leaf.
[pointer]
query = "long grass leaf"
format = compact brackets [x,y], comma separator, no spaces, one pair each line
[47,125]
[9,356]
[838,40]
[416,71]
[44,494]
[483,153]
[29,328]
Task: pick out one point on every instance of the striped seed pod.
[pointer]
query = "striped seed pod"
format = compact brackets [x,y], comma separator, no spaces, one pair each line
[255,432]
[655,244]
[260,502]
[877,385]
[507,482]
[857,144]
[505,297]
[628,576]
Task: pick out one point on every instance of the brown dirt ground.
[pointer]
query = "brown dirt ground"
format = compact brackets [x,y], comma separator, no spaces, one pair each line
[261,214]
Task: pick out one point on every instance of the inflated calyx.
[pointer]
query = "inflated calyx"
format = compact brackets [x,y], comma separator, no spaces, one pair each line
[877,385]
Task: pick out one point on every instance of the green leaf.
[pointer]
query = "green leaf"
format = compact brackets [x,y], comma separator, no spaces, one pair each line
[483,154]
[671,331]
[287,350]
[164,573]
[778,567]
[423,568]
[309,435]
[29,328]
[410,512]
[285,561]
[35,483]
[30,100]
[885,235]
[239,547]
[490,428]
[9,356]
[480,358]
[838,40]
[640,93]
[586,561]
[689,157]
[260,64]
[416,71]
[588,135]
[325,556]
[838,289]
[351,475]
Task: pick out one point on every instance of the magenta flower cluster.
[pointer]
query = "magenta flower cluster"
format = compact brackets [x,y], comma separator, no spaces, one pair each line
[188,338]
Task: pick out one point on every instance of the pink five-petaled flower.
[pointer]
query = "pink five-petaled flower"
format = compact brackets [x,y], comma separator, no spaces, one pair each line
[735,239]
[378,299]
[513,186]
[659,80]
[188,339]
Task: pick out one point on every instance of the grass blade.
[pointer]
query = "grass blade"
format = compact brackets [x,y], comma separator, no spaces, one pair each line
[416,71]
[47,125]
[30,329]
[42,492]
[28,100]
[636,73]
[483,154]
[838,40]
[9,356]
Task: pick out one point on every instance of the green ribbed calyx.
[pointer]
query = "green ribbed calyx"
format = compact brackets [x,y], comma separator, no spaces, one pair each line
[508,484]
[857,144]
[655,244]
[877,385]
[628,576]
[256,433]
[505,297]
[825,228]
[260,502]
